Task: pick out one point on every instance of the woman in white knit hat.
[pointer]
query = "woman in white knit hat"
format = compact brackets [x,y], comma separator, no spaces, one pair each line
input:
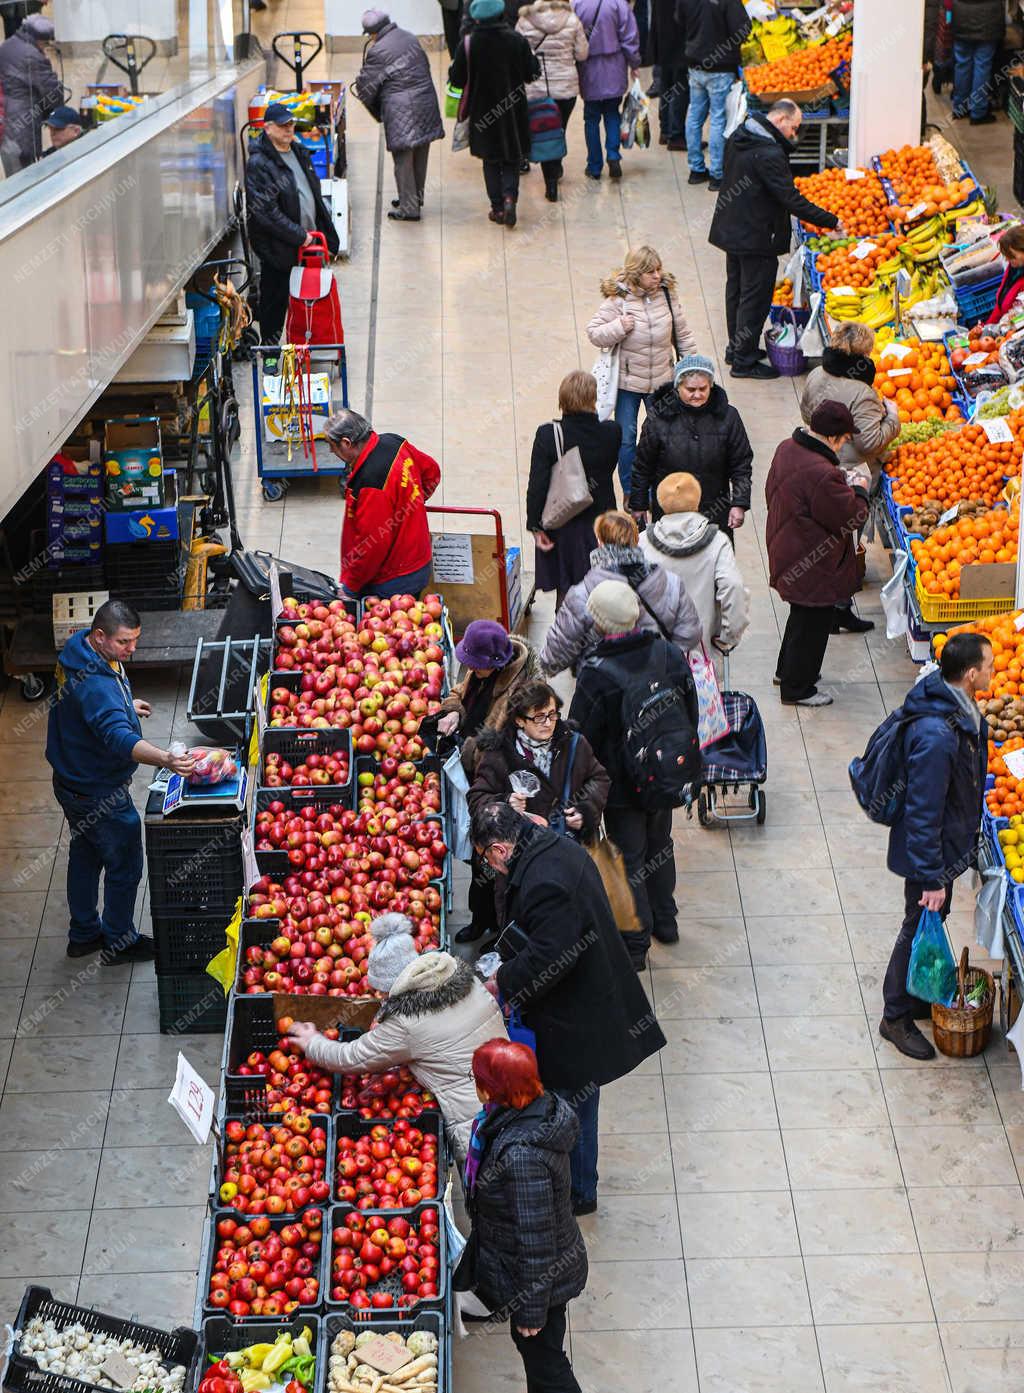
[435,1015]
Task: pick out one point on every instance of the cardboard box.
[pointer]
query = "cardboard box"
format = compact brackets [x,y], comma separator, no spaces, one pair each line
[60,553]
[147,524]
[74,611]
[88,528]
[996,580]
[280,422]
[133,462]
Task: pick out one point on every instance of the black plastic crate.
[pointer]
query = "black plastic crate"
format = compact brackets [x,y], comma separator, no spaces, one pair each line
[295,744]
[223,1335]
[249,1115]
[275,861]
[194,865]
[23,1374]
[337,1216]
[252,1026]
[187,942]
[368,764]
[381,1322]
[191,1003]
[349,1124]
[277,1222]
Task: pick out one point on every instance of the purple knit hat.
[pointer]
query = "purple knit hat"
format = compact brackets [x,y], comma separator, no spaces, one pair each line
[485,644]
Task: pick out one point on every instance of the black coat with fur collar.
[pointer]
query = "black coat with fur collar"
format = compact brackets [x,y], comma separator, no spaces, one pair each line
[588,781]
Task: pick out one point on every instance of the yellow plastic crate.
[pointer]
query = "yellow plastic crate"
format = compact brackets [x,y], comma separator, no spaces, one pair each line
[937,609]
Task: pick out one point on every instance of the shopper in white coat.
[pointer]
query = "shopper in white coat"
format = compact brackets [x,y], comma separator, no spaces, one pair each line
[684,542]
[436,1014]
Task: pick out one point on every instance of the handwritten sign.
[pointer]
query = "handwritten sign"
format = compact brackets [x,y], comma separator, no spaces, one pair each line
[861,250]
[453,558]
[1014,761]
[192,1099]
[916,211]
[949,514]
[997,431]
[852,174]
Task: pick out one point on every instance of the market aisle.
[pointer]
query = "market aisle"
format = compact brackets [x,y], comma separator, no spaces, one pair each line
[787,1204]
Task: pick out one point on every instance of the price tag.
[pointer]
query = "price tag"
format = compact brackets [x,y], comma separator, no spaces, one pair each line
[974,359]
[997,431]
[833,27]
[250,869]
[192,1099]
[949,514]
[773,47]
[862,249]
[385,1355]
[916,211]
[852,174]
[901,372]
[121,1371]
[896,350]
[844,290]
[1014,761]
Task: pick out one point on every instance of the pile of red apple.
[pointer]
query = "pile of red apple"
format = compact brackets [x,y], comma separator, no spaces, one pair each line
[315,771]
[391,1167]
[378,678]
[394,1094]
[354,849]
[292,1083]
[265,1268]
[397,1253]
[398,793]
[277,1168]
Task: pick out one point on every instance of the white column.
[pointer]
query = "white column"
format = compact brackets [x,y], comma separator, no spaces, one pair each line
[885,107]
[342,17]
[89,21]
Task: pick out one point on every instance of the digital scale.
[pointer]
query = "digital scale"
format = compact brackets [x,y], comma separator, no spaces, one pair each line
[229,794]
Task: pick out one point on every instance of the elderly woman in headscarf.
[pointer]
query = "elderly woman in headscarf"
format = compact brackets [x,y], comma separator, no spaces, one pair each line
[435,1014]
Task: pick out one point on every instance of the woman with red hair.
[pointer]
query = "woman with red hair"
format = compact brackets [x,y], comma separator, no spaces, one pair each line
[525,1256]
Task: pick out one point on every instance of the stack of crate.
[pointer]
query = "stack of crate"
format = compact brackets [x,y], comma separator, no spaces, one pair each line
[195,878]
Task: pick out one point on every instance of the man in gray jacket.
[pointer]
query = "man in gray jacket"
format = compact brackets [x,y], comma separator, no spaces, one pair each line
[395,86]
[31,91]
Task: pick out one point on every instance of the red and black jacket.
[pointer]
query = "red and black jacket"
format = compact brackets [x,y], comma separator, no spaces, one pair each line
[385,533]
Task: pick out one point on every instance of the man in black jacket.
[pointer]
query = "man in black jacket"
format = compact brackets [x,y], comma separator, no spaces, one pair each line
[715,29]
[667,51]
[751,224]
[565,968]
[284,205]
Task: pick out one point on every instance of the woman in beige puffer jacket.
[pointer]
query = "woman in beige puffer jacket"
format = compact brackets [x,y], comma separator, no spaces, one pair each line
[559,42]
[641,315]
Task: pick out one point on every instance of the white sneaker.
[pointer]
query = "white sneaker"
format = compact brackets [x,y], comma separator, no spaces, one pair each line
[818,699]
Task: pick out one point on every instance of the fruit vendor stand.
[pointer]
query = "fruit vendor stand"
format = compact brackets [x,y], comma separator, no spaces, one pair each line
[808,62]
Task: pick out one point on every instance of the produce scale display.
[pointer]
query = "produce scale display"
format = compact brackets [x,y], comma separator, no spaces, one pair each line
[325,1267]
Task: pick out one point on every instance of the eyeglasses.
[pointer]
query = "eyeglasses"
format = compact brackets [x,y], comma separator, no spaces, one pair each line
[544,718]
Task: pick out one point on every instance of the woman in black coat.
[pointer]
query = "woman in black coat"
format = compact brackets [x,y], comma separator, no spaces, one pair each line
[563,555]
[691,428]
[492,65]
[526,1255]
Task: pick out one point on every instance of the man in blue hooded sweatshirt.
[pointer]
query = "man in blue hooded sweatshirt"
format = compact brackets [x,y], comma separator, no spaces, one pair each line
[94,744]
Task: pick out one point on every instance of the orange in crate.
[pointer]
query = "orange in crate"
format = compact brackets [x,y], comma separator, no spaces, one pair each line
[920,383]
[915,178]
[953,466]
[968,541]
[803,70]
[860,204]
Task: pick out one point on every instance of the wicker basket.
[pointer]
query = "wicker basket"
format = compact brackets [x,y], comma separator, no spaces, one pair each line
[790,362]
[960,1031]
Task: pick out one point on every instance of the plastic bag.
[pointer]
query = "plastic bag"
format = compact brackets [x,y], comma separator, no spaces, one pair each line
[988,911]
[794,273]
[931,974]
[458,787]
[635,126]
[811,342]
[606,374]
[735,108]
[894,597]
[525,782]
[213,766]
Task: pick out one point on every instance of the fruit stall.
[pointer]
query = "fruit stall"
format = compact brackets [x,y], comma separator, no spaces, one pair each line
[806,58]
[325,1266]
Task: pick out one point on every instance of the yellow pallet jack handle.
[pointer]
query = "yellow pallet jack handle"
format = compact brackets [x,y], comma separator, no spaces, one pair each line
[201,550]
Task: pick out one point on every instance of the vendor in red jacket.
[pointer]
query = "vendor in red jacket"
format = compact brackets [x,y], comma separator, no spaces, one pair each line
[815,508]
[385,539]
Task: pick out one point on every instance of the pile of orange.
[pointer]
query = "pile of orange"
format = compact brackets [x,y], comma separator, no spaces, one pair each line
[859,204]
[803,70]
[920,383]
[783,292]
[964,542]
[1006,797]
[915,178]
[841,267]
[957,464]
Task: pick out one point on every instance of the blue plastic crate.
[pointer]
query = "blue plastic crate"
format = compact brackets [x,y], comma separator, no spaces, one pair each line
[977,302]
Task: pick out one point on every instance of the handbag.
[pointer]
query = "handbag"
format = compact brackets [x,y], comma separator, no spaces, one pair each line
[569,490]
[547,134]
[712,721]
[556,818]
[452,99]
[611,867]
[606,374]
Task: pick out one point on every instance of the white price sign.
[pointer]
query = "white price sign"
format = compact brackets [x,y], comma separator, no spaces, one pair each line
[249,867]
[949,514]
[192,1099]
[1014,761]
[861,250]
[852,174]
[916,211]
[997,431]
[896,350]
[1018,623]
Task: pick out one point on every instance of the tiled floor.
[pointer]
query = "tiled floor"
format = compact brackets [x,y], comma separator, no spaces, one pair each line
[787,1204]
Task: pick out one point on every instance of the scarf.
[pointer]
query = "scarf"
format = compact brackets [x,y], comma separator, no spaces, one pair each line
[475,1150]
[1009,288]
[537,752]
[854,366]
[630,562]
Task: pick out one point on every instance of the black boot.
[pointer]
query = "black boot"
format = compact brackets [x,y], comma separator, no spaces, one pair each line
[551,190]
[509,209]
[845,621]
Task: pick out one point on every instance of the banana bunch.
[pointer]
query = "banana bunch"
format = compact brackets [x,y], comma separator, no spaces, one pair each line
[923,241]
[973,209]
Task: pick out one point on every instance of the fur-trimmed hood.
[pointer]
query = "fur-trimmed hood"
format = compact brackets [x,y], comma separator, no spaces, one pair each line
[422,1002]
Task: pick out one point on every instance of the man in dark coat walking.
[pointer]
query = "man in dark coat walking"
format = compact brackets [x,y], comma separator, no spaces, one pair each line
[501,63]
[667,51]
[31,88]
[284,205]
[564,966]
[815,509]
[751,224]
[395,86]
[934,838]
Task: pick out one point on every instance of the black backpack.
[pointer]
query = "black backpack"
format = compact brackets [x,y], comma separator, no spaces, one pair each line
[879,777]
[661,754]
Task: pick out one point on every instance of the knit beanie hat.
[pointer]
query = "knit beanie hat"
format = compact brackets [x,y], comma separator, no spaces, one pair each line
[425,973]
[374,20]
[392,952]
[693,362]
[485,644]
[679,493]
[832,418]
[486,9]
[38,28]
[613,607]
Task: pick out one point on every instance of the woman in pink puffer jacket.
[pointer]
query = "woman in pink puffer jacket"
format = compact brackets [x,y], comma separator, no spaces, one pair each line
[642,316]
[556,36]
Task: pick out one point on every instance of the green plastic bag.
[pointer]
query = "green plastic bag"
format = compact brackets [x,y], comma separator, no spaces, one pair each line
[931,974]
[452,97]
